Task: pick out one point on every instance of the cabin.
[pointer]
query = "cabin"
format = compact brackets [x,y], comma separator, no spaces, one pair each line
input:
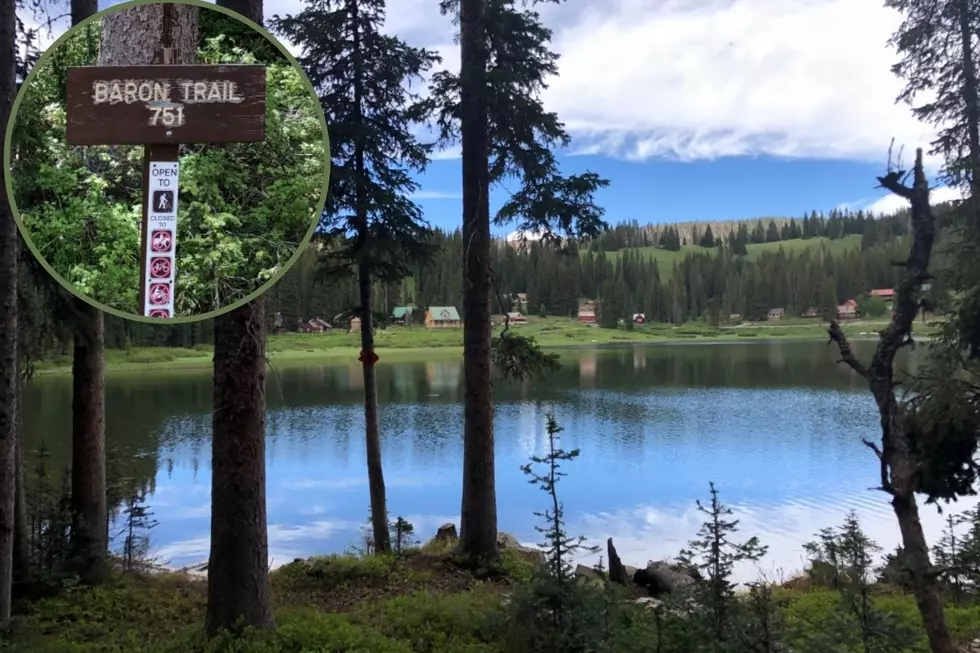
[402,315]
[639,318]
[775,313]
[848,310]
[521,300]
[442,317]
[316,325]
[810,313]
[586,316]
[516,319]
[354,325]
[735,318]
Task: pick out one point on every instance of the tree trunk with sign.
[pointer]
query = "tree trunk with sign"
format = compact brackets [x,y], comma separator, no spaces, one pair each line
[238,572]
[372,432]
[8,328]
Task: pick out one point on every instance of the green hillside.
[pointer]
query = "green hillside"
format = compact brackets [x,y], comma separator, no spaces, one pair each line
[665,258]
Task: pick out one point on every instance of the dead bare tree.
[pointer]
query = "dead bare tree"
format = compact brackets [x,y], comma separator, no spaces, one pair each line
[901,467]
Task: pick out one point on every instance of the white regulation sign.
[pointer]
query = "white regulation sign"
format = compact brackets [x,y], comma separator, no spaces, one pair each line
[161,240]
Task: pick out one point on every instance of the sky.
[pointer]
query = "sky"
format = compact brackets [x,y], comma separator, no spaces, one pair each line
[704,109]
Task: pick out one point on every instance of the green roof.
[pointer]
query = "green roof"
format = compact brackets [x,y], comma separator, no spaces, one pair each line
[444,313]
[401,311]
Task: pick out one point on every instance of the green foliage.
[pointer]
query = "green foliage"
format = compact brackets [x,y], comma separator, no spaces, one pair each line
[243,210]
[714,556]
[365,77]
[841,559]
[871,306]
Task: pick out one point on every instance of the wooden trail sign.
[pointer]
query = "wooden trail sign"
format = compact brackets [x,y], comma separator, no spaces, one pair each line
[143,105]
[159,107]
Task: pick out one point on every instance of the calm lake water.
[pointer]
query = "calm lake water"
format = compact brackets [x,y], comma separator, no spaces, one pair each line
[777,427]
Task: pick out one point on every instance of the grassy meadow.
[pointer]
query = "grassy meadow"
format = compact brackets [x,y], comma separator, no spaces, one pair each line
[417,342]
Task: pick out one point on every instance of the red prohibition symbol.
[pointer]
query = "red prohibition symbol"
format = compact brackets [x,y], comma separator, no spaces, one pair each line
[161,240]
[160,267]
[159,294]
[159,312]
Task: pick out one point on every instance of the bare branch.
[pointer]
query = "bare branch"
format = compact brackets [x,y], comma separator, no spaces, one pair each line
[847,354]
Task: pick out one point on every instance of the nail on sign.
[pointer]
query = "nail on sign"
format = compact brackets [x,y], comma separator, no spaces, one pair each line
[119,105]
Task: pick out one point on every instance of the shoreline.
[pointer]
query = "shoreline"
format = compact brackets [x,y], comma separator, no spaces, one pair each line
[171,360]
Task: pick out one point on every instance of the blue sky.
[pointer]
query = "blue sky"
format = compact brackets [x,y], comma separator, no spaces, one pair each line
[705,109]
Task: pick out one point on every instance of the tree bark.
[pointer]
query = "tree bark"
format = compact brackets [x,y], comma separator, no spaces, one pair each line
[372,431]
[82,9]
[238,579]
[478,519]
[898,466]
[22,533]
[8,326]
[372,434]
[88,486]
[251,9]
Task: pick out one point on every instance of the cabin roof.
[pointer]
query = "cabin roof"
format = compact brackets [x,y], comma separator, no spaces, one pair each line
[444,313]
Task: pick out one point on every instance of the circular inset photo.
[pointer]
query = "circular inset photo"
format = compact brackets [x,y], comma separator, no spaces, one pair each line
[167,160]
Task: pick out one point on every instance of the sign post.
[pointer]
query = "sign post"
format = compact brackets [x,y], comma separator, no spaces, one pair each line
[160,107]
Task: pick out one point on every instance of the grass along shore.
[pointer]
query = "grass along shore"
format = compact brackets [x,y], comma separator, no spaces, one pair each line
[419,343]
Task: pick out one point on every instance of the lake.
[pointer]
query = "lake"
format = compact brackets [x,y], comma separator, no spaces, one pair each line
[777,426]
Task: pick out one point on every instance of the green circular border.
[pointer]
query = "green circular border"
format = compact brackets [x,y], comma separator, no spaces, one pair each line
[133,316]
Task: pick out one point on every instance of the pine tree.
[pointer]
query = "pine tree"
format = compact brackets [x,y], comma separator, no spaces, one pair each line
[493,107]
[715,554]
[362,76]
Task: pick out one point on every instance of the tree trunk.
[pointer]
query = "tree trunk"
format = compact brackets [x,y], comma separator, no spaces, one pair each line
[22,527]
[251,9]
[376,479]
[88,487]
[8,326]
[478,519]
[82,9]
[238,578]
[898,465]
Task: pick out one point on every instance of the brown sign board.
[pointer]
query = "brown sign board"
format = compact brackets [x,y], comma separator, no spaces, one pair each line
[152,105]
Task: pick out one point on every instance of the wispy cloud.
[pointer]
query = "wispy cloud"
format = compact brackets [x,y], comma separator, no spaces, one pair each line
[435,195]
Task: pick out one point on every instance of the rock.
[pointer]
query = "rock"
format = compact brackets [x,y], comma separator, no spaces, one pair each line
[617,572]
[589,575]
[447,533]
[507,542]
[660,578]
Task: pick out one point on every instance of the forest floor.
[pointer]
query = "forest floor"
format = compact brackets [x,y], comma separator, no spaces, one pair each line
[418,603]
[418,343]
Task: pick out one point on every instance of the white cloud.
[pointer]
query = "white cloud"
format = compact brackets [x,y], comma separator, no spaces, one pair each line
[701,79]
[892,203]
[435,195]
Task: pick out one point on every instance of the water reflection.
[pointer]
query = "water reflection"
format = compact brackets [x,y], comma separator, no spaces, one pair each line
[776,426]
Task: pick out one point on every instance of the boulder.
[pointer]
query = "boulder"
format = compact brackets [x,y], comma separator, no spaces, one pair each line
[507,542]
[447,534]
[661,578]
[586,574]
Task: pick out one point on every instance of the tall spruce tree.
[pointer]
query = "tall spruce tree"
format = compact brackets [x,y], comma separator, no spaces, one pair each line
[364,77]
[493,107]
[238,579]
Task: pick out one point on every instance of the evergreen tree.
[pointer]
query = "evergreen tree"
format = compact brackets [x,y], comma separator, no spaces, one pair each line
[493,106]
[362,76]
[714,555]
